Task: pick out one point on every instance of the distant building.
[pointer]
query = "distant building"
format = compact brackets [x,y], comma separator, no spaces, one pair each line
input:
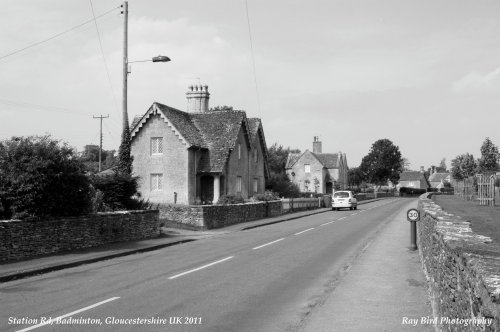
[316,171]
[437,180]
[199,155]
[413,179]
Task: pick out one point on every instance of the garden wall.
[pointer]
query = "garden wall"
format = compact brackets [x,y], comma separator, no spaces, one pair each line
[217,216]
[23,239]
[463,270]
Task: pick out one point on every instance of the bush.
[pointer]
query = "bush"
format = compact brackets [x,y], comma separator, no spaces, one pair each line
[282,186]
[119,192]
[266,197]
[41,177]
[406,191]
[230,199]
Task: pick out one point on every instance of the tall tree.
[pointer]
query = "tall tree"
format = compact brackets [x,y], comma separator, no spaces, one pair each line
[442,166]
[463,166]
[90,158]
[124,158]
[489,157]
[384,162]
[355,177]
[279,181]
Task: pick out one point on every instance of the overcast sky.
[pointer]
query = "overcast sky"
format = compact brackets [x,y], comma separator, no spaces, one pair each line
[424,74]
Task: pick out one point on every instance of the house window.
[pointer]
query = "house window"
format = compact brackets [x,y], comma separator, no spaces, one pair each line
[239,151]
[238,184]
[255,185]
[156,182]
[307,168]
[156,145]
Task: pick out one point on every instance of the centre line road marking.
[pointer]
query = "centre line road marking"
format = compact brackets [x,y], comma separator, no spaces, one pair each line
[362,211]
[353,214]
[307,230]
[327,223]
[52,320]
[342,218]
[262,246]
[200,268]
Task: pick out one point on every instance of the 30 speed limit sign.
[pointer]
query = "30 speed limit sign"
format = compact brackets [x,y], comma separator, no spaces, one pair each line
[413,215]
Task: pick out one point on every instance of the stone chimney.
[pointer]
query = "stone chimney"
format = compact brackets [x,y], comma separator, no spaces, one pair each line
[197,98]
[316,145]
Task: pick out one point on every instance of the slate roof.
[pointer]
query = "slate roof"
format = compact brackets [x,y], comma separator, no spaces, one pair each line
[215,131]
[328,160]
[411,176]
[438,177]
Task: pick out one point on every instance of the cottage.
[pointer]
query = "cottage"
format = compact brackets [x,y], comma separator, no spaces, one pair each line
[413,179]
[198,155]
[316,171]
[438,180]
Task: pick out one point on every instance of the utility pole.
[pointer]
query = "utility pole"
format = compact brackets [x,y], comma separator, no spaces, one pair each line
[100,138]
[125,63]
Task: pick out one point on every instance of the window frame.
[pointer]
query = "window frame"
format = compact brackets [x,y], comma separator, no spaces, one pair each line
[156,181]
[156,146]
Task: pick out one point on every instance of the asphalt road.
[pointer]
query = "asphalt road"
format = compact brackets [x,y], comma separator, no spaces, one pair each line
[263,279]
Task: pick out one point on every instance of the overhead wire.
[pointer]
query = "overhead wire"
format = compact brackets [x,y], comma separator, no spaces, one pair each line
[104,57]
[54,36]
[253,59]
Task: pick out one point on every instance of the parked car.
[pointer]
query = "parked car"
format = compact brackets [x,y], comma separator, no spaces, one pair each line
[344,199]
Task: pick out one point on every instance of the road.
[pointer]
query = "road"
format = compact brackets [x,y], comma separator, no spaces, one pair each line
[264,279]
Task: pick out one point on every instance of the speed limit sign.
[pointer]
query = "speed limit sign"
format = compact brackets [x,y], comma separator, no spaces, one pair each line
[413,215]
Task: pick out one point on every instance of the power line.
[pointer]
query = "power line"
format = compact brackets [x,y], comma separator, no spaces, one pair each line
[55,36]
[103,57]
[253,58]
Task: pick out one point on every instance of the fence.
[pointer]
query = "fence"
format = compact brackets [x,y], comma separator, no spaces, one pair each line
[480,188]
[294,204]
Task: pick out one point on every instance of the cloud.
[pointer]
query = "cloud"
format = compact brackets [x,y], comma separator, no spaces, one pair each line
[477,82]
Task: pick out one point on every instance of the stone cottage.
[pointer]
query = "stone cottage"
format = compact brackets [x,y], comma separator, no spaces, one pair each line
[413,179]
[438,179]
[317,171]
[198,155]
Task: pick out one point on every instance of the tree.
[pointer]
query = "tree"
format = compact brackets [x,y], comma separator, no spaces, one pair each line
[383,163]
[40,177]
[442,166]
[90,158]
[355,177]
[489,157]
[124,165]
[279,181]
[221,108]
[463,166]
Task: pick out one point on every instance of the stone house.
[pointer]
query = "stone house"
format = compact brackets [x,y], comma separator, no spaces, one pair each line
[317,171]
[413,179]
[198,155]
[437,180]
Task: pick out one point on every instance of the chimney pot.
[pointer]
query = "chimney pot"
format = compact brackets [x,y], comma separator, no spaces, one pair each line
[197,98]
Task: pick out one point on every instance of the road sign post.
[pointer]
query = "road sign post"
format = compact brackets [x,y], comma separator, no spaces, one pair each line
[413,215]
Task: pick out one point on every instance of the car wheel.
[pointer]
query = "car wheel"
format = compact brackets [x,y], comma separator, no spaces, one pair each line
[356,207]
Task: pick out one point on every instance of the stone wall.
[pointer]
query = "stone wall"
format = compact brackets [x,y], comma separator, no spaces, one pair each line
[217,216]
[23,239]
[463,270]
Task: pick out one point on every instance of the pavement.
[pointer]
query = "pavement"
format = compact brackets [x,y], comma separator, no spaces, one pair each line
[384,289]
[169,237]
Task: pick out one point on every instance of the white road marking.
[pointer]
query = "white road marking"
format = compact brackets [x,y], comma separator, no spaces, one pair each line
[52,320]
[264,245]
[307,230]
[200,268]
[342,218]
[353,214]
[327,223]
[362,211]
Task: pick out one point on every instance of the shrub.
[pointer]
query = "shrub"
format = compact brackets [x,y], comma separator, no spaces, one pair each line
[266,197]
[41,177]
[119,192]
[406,191]
[230,199]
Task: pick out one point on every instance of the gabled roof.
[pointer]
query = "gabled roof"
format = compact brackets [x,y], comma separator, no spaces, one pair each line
[216,131]
[411,176]
[219,130]
[328,160]
[256,130]
[438,177]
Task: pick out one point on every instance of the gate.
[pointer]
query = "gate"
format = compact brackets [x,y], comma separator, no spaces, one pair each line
[486,189]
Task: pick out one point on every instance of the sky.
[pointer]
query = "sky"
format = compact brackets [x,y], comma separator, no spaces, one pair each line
[424,74]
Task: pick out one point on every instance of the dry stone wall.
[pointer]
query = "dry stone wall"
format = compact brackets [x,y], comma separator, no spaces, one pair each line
[23,239]
[217,216]
[463,270]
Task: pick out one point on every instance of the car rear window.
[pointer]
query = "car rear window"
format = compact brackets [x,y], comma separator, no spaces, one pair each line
[341,194]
